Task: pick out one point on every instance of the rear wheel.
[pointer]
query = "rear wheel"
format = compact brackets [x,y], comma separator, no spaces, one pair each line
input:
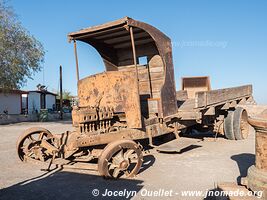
[228,126]
[236,126]
[120,159]
[240,123]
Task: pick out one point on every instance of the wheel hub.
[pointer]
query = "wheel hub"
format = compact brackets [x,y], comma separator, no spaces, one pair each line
[124,164]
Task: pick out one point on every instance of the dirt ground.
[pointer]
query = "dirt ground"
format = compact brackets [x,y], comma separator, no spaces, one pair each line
[199,168]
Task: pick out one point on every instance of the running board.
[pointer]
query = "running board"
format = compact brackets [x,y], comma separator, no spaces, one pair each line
[177,145]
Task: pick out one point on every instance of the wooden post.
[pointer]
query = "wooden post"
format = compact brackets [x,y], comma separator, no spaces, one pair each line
[134,52]
[149,81]
[76,59]
[61,96]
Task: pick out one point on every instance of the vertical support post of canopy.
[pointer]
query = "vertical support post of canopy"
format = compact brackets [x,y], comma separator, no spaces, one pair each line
[76,59]
[134,52]
[61,97]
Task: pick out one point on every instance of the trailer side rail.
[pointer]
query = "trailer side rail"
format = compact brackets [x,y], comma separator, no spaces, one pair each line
[221,96]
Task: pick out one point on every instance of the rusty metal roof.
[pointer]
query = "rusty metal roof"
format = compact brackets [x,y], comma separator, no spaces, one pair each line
[115,28]
[86,31]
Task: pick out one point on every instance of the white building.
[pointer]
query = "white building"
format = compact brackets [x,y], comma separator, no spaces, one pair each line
[11,101]
[41,99]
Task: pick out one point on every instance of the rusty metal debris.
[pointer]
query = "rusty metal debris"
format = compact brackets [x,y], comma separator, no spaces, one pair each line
[133,101]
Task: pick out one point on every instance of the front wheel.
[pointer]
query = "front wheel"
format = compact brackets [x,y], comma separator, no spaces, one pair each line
[29,144]
[120,159]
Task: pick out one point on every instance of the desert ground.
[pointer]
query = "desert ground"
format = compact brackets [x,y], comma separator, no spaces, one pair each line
[199,168]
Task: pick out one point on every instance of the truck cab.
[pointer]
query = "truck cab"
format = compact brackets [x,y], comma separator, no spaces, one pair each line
[129,88]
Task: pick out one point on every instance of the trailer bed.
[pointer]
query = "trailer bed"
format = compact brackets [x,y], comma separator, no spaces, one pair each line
[206,101]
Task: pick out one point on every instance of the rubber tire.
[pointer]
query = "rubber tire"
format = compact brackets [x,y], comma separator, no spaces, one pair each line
[113,147]
[237,123]
[228,126]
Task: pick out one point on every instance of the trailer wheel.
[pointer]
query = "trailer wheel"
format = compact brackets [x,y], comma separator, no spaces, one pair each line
[240,123]
[229,126]
[120,159]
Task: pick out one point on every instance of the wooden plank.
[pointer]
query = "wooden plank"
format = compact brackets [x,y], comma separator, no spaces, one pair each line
[143,75]
[125,38]
[204,99]
[188,105]
[153,105]
[181,95]
[131,68]
[189,115]
[138,42]
[156,69]
[210,111]
[157,79]
[124,32]
[156,94]
[156,86]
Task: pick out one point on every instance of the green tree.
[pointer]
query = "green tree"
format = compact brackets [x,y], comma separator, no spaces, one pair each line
[21,55]
[65,94]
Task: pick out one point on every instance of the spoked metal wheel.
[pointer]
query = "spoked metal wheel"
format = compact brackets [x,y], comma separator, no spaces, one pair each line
[29,144]
[120,159]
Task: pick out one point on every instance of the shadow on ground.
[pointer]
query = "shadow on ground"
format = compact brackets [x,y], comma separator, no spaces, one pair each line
[244,161]
[68,185]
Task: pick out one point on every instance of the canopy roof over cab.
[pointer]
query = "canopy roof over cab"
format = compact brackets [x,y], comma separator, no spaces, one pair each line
[113,38]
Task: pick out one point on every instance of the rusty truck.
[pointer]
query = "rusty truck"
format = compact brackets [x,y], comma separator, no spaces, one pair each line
[133,101]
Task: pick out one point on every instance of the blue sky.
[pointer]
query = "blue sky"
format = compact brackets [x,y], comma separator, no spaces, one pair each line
[226,40]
